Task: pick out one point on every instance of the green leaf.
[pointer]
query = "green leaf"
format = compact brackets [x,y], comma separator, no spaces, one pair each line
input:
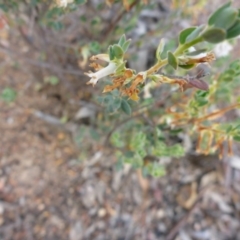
[227,18]
[80,135]
[184,34]
[107,99]
[34,3]
[126,108]
[138,141]
[227,78]
[176,150]
[194,34]
[110,108]
[94,47]
[215,16]
[156,170]
[4,7]
[8,95]
[237,128]
[202,102]
[117,140]
[237,138]
[201,94]
[117,103]
[189,66]
[126,45]
[53,80]
[118,52]
[119,164]
[229,129]
[172,60]
[214,35]
[230,72]
[122,40]
[95,21]
[94,134]
[235,64]
[160,49]
[54,12]
[160,150]
[111,53]
[141,152]
[176,131]
[56,25]
[120,68]
[129,154]
[234,31]
[169,46]
[80,1]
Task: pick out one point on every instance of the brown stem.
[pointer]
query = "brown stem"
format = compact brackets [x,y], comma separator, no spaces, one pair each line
[113,24]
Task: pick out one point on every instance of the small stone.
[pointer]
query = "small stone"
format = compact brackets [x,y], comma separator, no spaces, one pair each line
[160,213]
[102,212]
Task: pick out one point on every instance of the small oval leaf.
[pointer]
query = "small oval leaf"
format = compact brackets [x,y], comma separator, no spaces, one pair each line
[118,52]
[126,45]
[214,35]
[194,34]
[184,34]
[126,107]
[110,53]
[227,18]
[122,40]
[189,66]
[237,138]
[215,16]
[234,31]
[172,60]
[227,79]
[160,49]
[117,103]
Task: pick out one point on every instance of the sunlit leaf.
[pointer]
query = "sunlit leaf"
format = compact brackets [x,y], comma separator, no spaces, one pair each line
[184,34]
[172,60]
[122,40]
[215,16]
[234,31]
[237,138]
[214,35]
[126,108]
[194,34]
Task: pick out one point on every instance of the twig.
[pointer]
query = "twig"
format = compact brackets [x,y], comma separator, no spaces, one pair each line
[41,64]
[113,24]
[174,231]
[119,124]
[71,127]
[136,114]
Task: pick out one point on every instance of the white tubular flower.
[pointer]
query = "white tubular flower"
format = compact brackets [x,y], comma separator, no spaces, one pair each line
[110,69]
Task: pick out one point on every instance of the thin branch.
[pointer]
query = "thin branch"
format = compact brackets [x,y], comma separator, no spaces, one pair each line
[40,64]
[113,24]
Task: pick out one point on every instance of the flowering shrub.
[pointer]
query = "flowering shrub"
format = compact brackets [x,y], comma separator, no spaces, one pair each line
[222,25]
[151,124]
